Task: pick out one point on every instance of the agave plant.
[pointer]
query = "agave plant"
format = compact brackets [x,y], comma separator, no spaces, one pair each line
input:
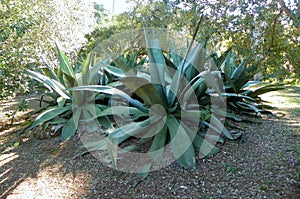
[67,107]
[242,94]
[161,105]
[130,61]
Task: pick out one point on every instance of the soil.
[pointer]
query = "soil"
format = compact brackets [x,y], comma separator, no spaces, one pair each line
[258,166]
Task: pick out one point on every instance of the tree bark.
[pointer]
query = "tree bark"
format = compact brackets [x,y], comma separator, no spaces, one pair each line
[288,12]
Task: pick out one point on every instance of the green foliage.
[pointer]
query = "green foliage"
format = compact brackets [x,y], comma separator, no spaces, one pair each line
[28,32]
[164,98]
[15,83]
[242,94]
[66,107]
[14,26]
[262,28]
[165,108]
[167,99]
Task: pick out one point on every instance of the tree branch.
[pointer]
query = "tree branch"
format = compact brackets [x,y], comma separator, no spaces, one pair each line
[288,12]
[285,8]
[274,27]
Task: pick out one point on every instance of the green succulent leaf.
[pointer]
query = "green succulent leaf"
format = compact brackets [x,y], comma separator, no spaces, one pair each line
[220,61]
[71,126]
[228,115]
[127,66]
[144,89]
[61,101]
[175,88]
[194,115]
[240,69]
[118,110]
[194,63]
[170,65]
[157,147]
[58,121]
[176,85]
[217,126]
[237,97]
[123,133]
[50,83]
[157,124]
[65,64]
[238,76]
[156,58]
[98,145]
[264,89]
[198,87]
[249,107]
[85,68]
[251,83]
[47,116]
[93,72]
[113,70]
[157,64]
[207,149]
[112,91]
[211,81]
[49,73]
[177,59]
[181,143]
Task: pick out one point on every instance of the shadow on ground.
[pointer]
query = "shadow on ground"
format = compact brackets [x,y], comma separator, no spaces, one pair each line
[255,167]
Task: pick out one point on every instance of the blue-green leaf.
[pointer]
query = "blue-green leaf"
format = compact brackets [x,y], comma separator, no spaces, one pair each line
[50,83]
[112,91]
[236,74]
[211,81]
[117,110]
[65,64]
[144,89]
[71,126]
[47,116]
[195,61]
[156,58]
[123,133]
[182,147]
[49,73]
[85,68]
[264,89]
[157,147]
[113,70]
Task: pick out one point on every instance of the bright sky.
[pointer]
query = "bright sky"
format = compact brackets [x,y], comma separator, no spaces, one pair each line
[120,5]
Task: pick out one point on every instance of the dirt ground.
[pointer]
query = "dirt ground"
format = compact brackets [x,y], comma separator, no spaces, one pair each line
[255,167]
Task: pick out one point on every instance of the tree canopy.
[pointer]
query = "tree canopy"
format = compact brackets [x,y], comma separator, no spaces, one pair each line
[29,30]
[266,30]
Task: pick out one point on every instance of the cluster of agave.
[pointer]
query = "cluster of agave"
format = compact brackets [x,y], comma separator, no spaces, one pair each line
[164,99]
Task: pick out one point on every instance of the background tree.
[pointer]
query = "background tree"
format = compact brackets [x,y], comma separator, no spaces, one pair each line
[263,29]
[292,12]
[28,33]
